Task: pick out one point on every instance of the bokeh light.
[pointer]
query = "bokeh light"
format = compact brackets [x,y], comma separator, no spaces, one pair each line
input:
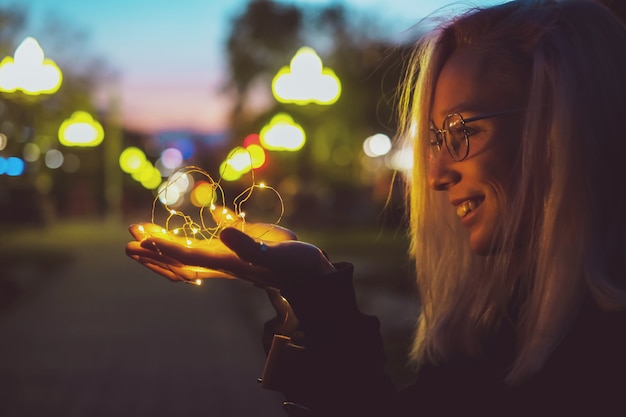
[257,155]
[29,71]
[305,81]
[282,134]
[252,139]
[132,159]
[12,166]
[53,159]
[31,152]
[169,196]
[81,129]
[400,160]
[203,194]
[236,164]
[172,158]
[377,145]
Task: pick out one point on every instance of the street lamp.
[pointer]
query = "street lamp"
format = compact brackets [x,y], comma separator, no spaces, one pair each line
[81,129]
[306,80]
[29,71]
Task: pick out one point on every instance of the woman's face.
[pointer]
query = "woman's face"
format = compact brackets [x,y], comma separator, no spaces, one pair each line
[480,187]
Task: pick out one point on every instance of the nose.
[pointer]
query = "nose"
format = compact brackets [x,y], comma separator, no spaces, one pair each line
[442,174]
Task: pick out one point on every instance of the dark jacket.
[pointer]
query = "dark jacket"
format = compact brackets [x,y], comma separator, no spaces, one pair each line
[336,368]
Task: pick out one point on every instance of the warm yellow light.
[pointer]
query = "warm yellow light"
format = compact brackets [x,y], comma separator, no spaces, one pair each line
[131,159]
[238,162]
[198,231]
[203,195]
[306,81]
[81,129]
[29,71]
[152,180]
[228,174]
[257,155]
[282,134]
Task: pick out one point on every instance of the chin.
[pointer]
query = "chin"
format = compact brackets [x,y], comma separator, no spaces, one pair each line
[482,244]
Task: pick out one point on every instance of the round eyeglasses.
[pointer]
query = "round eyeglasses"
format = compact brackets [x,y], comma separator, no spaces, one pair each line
[456,135]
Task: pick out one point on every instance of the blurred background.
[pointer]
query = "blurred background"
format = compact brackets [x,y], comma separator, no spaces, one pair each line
[102,102]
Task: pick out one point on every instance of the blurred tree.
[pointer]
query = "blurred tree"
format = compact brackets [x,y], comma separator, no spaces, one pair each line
[30,123]
[263,39]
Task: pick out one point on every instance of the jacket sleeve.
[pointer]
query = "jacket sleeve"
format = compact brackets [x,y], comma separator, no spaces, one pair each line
[336,367]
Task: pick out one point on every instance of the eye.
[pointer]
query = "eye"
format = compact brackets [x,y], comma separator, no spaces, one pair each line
[456,126]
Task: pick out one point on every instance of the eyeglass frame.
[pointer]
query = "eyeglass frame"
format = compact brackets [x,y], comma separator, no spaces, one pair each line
[440,134]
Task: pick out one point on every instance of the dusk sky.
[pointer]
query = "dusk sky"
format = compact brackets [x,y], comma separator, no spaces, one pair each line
[169,54]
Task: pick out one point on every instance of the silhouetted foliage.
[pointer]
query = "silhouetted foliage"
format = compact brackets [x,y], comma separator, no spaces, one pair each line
[327,171]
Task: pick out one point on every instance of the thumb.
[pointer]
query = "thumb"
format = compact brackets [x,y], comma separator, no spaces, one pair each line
[243,245]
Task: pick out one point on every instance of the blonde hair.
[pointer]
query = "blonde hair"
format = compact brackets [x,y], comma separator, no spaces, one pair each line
[571,195]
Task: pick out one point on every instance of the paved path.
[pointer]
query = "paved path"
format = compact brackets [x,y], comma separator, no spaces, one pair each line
[86,332]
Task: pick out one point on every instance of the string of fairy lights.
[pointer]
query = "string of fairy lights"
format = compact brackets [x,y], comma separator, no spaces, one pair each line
[196,229]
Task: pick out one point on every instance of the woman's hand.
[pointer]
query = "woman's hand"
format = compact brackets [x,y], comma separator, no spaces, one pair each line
[273,259]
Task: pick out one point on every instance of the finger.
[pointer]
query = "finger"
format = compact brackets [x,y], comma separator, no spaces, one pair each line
[142,231]
[161,270]
[211,254]
[136,250]
[243,245]
[189,274]
[270,232]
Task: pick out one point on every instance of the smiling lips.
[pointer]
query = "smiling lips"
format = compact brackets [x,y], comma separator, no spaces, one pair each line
[465,208]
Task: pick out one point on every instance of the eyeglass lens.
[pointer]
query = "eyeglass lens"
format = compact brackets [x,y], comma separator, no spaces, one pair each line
[455,136]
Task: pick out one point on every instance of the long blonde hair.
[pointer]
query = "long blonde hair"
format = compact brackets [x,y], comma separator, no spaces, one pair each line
[571,194]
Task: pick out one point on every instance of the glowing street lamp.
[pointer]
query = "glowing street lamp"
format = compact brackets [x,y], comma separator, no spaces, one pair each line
[282,134]
[29,71]
[306,80]
[81,129]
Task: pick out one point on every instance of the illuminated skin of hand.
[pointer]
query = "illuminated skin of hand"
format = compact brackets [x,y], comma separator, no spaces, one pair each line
[234,255]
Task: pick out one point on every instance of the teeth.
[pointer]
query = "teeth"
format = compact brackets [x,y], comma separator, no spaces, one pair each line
[465,208]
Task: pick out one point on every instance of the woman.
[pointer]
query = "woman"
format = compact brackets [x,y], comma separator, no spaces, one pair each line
[516,204]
